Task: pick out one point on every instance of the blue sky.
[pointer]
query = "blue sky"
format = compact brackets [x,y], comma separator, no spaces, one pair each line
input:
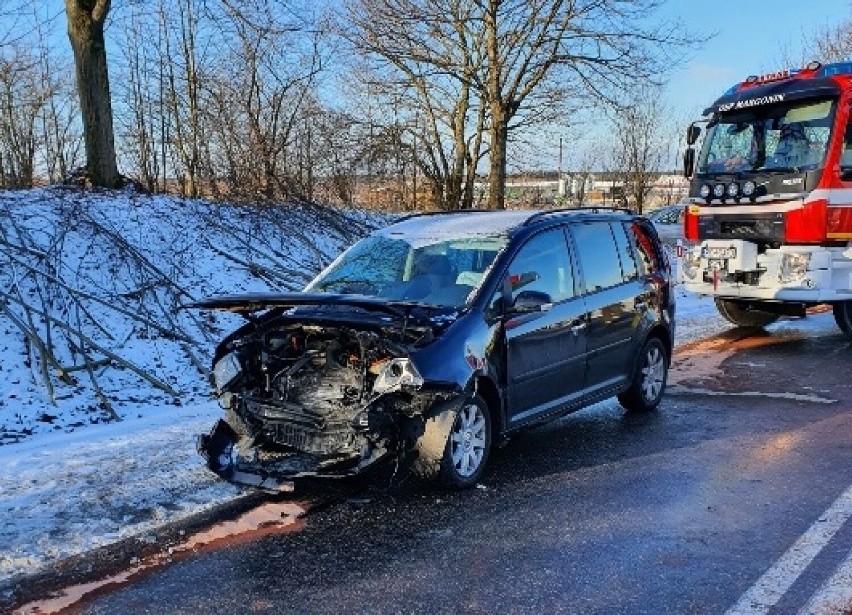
[752,37]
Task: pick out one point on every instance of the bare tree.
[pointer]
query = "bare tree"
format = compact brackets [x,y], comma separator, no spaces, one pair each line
[424,58]
[61,138]
[86,32]
[643,135]
[21,101]
[833,44]
[522,60]
[596,46]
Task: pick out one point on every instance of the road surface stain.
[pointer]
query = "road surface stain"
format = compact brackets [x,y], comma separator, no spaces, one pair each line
[265,520]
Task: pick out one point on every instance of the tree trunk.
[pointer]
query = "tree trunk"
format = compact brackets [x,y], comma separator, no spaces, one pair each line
[497,160]
[498,131]
[86,33]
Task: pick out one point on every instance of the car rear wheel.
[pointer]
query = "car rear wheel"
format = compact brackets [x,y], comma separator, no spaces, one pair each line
[465,453]
[649,379]
[843,316]
[735,312]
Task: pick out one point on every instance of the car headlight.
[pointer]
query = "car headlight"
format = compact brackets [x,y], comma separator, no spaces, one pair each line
[226,371]
[397,373]
[691,264]
[748,188]
[704,191]
[794,265]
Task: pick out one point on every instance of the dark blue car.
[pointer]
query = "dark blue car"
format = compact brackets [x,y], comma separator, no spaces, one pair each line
[437,335]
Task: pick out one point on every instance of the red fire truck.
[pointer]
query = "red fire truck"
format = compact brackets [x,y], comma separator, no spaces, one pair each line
[770,198]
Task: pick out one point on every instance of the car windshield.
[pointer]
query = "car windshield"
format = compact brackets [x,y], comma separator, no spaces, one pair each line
[791,137]
[438,270]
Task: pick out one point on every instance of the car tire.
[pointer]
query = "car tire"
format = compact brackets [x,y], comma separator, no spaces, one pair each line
[464,455]
[649,378]
[843,316]
[735,313]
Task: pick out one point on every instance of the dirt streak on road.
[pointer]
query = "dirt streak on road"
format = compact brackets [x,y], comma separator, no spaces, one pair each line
[265,520]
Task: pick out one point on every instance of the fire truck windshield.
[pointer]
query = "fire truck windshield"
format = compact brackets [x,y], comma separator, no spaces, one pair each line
[791,137]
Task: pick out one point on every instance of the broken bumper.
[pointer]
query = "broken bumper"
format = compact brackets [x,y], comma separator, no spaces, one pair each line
[219,449]
[235,460]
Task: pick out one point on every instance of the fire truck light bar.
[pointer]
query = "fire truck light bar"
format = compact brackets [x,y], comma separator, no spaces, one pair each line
[838,68]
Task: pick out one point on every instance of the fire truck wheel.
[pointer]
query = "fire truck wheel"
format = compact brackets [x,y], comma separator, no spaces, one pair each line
[843,316]
[738,314]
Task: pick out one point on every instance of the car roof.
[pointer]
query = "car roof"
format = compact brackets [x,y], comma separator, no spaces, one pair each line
[490,223]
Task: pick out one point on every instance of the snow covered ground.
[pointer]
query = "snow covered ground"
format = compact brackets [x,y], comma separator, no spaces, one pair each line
[73,482]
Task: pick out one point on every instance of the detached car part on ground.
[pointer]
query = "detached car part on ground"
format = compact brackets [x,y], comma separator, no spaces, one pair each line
[427,340]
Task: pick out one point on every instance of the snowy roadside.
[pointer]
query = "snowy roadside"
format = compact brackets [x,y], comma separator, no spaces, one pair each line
[65,494]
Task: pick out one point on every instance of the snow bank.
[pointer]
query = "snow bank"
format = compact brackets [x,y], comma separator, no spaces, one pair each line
[89,289]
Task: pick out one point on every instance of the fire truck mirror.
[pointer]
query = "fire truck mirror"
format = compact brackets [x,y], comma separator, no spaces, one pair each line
[688,162]
[692,134]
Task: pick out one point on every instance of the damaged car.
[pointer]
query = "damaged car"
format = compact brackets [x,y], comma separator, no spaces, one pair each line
[434,337]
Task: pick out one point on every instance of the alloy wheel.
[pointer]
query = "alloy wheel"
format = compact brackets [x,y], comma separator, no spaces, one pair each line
[653,374]
[468,440]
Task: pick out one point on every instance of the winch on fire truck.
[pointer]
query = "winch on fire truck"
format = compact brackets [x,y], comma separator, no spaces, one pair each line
[770,198]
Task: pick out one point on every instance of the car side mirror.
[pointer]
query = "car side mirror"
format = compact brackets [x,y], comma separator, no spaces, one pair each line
[688,162]
[692,134]
[529,301]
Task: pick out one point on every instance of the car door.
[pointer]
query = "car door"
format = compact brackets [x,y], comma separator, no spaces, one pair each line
[545,347]
[614,299]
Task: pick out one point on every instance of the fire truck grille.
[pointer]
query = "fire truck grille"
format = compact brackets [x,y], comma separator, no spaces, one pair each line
[739,228]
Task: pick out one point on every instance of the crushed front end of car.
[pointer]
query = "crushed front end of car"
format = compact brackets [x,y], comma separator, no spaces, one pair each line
[327,391]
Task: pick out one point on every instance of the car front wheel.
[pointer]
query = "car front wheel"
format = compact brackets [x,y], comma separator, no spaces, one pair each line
[465,452]
[649,379]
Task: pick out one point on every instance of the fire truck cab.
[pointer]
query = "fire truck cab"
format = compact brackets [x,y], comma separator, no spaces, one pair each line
[770,198]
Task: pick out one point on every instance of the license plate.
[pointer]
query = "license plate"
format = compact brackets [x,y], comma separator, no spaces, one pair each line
[718,252]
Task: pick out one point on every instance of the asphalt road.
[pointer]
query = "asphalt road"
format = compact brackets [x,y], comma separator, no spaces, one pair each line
[682,510]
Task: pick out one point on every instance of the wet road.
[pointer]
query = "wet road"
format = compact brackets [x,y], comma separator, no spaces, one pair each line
[678,511]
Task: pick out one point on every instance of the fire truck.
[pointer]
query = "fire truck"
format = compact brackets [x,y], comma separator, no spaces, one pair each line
[770,197]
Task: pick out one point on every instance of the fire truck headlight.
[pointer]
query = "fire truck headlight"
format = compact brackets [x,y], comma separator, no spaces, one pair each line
[691,264]
[794,266]
[748,188]
[733,190]
[719,190]
[704,191]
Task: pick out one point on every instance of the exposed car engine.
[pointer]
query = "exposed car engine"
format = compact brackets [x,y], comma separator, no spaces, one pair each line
[315,396]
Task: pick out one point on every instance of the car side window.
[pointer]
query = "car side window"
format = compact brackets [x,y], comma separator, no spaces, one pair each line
[625,252]
[598,255]
[543,265]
